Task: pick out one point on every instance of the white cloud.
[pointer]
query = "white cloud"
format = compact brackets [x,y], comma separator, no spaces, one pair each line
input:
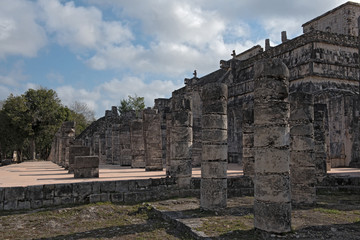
[82,28]
[14,76]
[19,32]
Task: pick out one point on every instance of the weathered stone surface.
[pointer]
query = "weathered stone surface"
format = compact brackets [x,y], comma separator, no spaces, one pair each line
[277,191]
[213,190]
[214,169]
[272,208]
[272,160]
[302,161]
[74,151]
[152,140]
[214,152]
[213,193]
[272,217]
[267,135]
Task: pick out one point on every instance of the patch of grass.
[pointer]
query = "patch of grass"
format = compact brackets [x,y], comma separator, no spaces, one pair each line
[328,211]
[218,226]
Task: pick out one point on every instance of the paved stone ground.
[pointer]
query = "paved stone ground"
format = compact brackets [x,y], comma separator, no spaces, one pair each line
[44,172]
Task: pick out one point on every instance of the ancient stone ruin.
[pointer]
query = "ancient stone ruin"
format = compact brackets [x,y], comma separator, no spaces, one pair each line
[286,114]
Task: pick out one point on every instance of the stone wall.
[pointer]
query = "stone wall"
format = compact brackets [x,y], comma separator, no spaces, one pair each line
[128,192]
[341,20]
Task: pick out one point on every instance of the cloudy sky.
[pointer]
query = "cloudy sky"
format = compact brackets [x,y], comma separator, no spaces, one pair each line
[100,51]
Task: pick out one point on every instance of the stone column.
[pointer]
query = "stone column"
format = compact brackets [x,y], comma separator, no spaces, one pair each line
[320,113]
[168,143]
[213,188]
[248,139]
[302,157]
[272,206]
[181,140]
[108,145]
[125,148]
[115,141]
[152,140]
[137,144]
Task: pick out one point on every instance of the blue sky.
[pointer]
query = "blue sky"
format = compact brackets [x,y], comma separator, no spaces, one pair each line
[100,51]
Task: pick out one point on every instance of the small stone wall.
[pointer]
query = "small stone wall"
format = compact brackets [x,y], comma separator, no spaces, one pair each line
[129,192]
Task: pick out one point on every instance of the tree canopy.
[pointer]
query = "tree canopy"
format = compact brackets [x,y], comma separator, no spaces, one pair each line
[29,122]
[133,103]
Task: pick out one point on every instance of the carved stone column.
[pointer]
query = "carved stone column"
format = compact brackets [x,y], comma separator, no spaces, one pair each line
[272,206]
[213,186]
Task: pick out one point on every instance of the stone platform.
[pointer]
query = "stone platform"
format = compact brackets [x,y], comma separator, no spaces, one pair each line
[45,172]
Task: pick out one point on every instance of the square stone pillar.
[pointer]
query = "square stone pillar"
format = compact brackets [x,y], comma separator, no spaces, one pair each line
[86,167]
[152,140]
[137,144]
[213,188]
[74,151]
[248,159]
[181,140]
[302,156]
[272,205]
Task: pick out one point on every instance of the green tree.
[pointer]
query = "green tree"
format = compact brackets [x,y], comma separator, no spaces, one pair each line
[15,126]
[30,122]
[133,103]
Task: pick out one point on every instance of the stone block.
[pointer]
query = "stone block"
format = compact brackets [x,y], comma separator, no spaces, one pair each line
[156,165]
[269,114]
[122,186]
[248,153]
[94,198]
[76,150]
[214,121]
[214,152]
[86,172]
[86,162]
[302,175]
[214,107]
[105,197]
[274,136]
[213,193]
[95,187]
[215,170]
[272,217]
[214,92]
[272,188]
[35,204]
[48,202]
[10,205]
[35,193]
[180,168]
[302,143]
[141,184]
[23,205]
[135,197]
[182,119]
[108,186]
[214,136]
[181,134]
[63,190]
[180,150]
[2,194]
[248,140]
[14,193]
[271,160]
[117,197]
[49,191]
[302,130]
[302,159]
[183,182]
[82,189]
